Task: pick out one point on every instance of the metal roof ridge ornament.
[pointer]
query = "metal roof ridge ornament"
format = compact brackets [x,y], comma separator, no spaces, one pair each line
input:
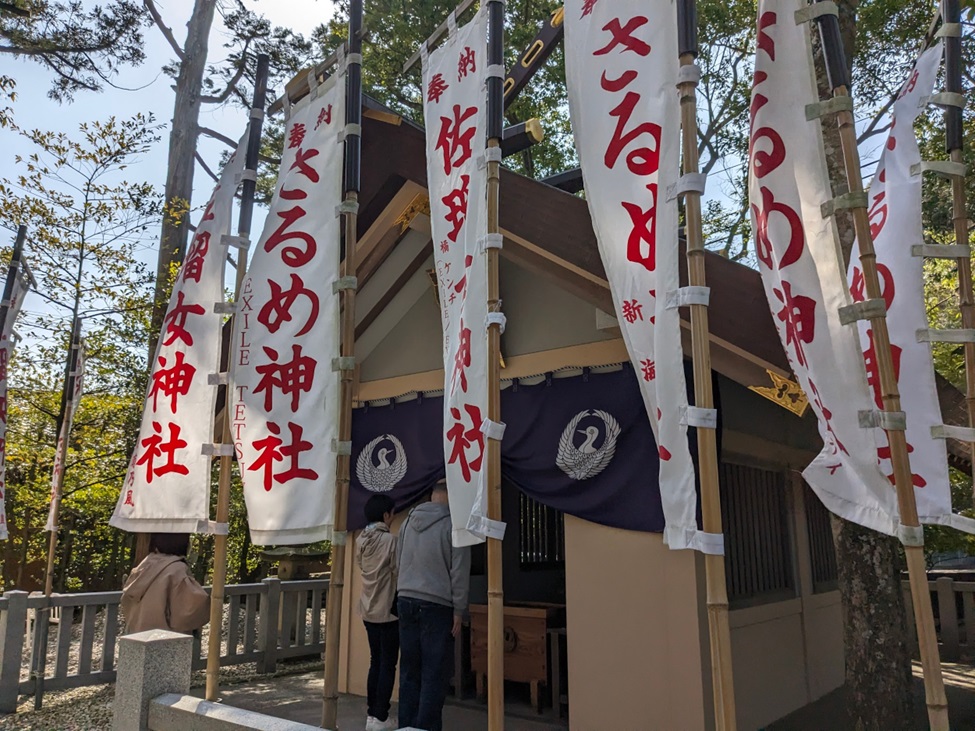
[783,392]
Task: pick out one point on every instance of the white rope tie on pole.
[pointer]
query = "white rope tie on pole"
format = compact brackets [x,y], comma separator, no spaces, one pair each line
[686,296]
[490,241]
[495,318]
[910,535]
[886,420]
[493,429]
[699,418]
[866,310]
[345,283]
[236,242]
[816,10]
[343,449]
[217,450]
[949,431]
[944,168]
[834,105]
[942,251]
[491,154]
[856,199]
[687,183]
[959,335]
[217,379]
[346,206]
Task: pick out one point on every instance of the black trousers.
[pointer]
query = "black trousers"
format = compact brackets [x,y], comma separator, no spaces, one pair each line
[383,654]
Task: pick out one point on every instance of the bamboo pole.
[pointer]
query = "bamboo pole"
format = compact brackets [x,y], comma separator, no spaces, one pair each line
[934,690]
[226,462]
[722,675]
[351,180]
[495,593]
[64,417]
[955,145]
[12,270]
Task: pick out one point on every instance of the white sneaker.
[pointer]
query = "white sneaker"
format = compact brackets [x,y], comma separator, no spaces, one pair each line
[374,724]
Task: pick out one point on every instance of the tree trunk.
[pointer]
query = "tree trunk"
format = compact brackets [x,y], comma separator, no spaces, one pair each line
[182,146]
[878,658]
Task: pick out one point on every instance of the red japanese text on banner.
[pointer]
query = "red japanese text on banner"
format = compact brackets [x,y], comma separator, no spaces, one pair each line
[285,408]
[455,109]
[20,290]
[895,222]
[71,408]
[621,70]
[167,488]
[801,266]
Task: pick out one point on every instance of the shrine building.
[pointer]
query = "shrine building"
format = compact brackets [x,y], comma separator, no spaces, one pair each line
[604,625]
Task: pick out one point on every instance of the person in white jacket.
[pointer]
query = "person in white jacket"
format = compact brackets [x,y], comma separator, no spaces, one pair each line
[375,554]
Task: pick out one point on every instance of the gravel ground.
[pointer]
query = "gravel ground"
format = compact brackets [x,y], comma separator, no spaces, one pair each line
[90,708]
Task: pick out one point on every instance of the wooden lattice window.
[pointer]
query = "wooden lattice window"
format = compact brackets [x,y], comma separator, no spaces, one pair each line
[541,535]
[758,542]
[822,553]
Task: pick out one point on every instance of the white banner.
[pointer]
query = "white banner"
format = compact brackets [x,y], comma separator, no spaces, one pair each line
[285,409]
[20,289]
[895,222]
[801,266]
[167,488]
[621,70]
[74,400]
[455,109]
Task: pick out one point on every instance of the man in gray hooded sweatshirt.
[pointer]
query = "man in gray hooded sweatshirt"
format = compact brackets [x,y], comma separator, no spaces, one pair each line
[434,578]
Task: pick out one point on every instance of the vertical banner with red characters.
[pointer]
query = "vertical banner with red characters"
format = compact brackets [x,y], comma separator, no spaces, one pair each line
[167,488]
[802,268]
[895,222]
[71,407]
[285,405]
[455,109]
[20,287]
[621,70]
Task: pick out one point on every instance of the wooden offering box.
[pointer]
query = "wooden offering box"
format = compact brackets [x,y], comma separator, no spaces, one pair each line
[526,628]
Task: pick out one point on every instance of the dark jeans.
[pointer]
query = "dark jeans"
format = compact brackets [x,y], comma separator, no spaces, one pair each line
[424,629]
[383,652]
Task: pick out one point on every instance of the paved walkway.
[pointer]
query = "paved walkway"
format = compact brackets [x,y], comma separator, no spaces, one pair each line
[299,698]
[829,712]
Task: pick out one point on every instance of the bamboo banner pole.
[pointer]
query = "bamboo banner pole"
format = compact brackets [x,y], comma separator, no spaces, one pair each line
[955,146]
[226,462]
[913,537]
[495,592]
[64,417]
[722,676]
[12,269]
[351,180]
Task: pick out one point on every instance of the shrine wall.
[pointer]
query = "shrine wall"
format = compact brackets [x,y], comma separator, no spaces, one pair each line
[636,632]
[541,317]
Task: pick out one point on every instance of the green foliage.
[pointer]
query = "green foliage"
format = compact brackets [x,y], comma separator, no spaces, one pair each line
[398,28]
[7,91]
[82,46]
[86,224]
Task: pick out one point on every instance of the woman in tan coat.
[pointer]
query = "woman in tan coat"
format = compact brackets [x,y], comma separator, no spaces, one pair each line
[375,554]
[160,593]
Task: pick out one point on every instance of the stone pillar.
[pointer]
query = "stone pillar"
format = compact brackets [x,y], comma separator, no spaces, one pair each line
[150,664]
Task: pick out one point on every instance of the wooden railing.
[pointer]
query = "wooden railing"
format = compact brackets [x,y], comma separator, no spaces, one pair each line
[954,616]
[263,623]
